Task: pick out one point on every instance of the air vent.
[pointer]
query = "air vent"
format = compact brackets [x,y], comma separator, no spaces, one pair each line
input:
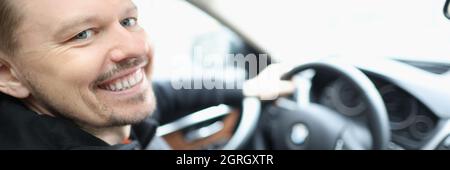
[436,68]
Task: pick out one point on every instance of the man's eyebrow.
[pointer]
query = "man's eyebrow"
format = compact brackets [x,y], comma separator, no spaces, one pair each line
[131,8]
[66,27]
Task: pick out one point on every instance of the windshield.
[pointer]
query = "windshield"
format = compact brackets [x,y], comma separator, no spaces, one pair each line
[301,29]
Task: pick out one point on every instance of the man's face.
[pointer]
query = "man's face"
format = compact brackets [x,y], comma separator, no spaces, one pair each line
[85,60]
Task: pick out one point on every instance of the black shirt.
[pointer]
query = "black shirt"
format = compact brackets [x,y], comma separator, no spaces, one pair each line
[22,128]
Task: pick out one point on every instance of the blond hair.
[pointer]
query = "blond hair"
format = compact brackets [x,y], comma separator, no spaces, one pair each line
[9,22]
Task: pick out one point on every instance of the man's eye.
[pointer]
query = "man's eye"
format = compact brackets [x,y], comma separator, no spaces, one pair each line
[86,34]
[129,22]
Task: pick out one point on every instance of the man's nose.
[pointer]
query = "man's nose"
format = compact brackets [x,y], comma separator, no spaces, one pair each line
[126,44]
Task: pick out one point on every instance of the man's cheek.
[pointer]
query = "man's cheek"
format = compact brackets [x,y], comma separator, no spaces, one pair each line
[78,79]
[149,67]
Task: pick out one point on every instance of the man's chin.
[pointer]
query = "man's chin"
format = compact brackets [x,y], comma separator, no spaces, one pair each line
[134,118]
[135,113]
[126,109]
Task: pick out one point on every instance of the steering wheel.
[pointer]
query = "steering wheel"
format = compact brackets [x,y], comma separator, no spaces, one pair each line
[301,124]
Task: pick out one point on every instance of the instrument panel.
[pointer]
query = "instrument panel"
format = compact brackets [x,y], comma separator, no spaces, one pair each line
[411,122]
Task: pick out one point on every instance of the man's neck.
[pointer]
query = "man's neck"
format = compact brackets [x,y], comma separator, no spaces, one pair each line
[111,135]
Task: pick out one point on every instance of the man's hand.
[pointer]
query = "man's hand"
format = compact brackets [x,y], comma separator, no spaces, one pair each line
[268,85]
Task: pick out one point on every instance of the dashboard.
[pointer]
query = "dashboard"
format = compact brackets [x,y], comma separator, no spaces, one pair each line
[411,122]
[415,93]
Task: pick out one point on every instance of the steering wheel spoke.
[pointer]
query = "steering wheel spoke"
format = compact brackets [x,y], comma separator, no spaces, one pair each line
[303,82]
[355,136]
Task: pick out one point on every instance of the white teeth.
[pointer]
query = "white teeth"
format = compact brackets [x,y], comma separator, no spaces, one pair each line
[118,85]
[132,81]
[136,77]
[139,76]
[112,87]
[125,83]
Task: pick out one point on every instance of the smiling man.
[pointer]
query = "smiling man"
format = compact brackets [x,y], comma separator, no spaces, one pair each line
[85,61]
[75,74]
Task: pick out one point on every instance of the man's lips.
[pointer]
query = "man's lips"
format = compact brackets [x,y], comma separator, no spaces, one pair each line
[126,78]
[125,82]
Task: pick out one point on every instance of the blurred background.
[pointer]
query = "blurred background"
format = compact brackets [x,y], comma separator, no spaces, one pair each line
[295,30]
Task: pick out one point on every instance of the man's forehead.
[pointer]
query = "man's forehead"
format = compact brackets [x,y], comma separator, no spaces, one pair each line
[60,7]
[52,13]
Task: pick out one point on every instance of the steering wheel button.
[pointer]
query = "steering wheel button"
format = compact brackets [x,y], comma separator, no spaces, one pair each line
[299,134]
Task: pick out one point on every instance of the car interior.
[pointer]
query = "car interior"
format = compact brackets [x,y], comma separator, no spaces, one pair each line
[367,75]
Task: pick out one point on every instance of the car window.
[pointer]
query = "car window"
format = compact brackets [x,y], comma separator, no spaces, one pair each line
[294,29]
[186,40]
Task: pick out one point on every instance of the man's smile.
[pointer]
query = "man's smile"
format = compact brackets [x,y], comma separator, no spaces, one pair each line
[124,82]
[128,85]
[130,80]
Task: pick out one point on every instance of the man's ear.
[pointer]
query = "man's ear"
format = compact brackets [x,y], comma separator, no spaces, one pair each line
[9,82]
